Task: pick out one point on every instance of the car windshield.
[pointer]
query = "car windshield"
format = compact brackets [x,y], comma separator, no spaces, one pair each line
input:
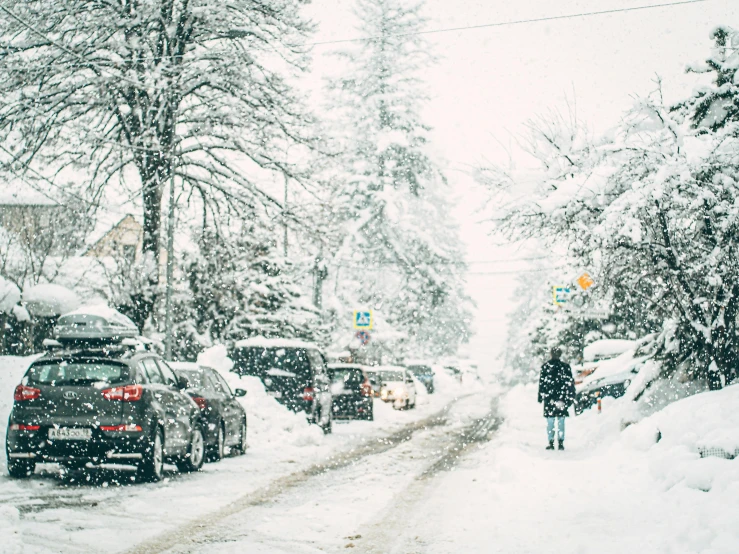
[391,375]
[77,373]
[273,362]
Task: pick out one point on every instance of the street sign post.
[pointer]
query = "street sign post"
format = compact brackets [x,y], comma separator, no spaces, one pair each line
[585,281]
[561,295]
[363,319]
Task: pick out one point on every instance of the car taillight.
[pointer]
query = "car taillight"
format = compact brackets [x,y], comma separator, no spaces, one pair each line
[123,427]
[366,388]
[201,402]
[24,427]
[129,393]
[308,394]
[23,392]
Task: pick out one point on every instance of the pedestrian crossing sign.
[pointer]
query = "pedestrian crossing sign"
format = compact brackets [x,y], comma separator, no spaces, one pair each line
[363,319]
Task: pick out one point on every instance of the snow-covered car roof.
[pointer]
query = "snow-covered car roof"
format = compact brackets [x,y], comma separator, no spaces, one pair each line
[607,348]
[264,342]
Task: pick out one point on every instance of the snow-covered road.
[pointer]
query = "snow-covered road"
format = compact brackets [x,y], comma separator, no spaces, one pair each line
[358,500]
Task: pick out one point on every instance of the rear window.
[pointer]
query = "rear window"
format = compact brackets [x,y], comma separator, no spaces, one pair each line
[272,362]
[195,378]
[420,370]
[391,375]
[347,376]
[77,373]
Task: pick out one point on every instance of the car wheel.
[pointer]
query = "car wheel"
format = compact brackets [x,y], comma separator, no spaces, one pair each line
[151,468]
[242,446]
[193,460]
[21,469]
[217,450]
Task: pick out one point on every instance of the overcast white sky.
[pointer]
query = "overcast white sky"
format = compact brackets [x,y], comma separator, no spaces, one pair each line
[490,81]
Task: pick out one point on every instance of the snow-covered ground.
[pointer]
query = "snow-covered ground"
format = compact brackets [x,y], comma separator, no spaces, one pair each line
[609,492]
[51,513]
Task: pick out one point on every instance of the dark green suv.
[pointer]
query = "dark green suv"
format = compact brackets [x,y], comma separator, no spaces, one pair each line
[83,407]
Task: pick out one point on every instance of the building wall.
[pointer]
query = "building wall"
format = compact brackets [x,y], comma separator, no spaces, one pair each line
[125,240]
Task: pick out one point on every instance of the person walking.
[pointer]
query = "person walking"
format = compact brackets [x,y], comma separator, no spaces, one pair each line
[557,392]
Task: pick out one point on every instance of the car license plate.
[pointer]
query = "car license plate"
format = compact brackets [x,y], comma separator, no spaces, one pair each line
[275,393]
[70,433]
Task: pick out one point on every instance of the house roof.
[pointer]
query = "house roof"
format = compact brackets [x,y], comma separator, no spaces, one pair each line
[102,229]
[20,193]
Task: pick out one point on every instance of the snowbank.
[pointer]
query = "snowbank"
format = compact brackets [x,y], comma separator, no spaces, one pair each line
[607,348]
[610,491]
[49,300]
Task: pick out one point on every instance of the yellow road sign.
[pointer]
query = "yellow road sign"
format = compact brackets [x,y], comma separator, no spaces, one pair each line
[585,281]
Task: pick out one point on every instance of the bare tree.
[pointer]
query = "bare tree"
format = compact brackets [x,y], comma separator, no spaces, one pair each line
[189,87]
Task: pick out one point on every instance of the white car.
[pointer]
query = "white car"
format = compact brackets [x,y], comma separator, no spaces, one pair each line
[397,386]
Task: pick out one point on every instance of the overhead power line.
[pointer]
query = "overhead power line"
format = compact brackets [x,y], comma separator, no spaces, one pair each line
[509,23]
[439,262]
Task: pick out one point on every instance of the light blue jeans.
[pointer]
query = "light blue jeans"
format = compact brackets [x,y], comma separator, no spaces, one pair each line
[561,429]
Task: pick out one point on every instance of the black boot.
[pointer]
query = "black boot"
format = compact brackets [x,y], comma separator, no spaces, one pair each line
[551,445]
[561,445]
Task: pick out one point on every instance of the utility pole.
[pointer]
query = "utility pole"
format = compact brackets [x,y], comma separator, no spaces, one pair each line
[320,273]
[170,267]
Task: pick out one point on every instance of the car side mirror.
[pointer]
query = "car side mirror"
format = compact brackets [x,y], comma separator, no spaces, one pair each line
[182,382]
[239,392]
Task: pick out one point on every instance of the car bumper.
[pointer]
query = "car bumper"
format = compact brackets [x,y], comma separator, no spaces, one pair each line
[103,447]
[351,408]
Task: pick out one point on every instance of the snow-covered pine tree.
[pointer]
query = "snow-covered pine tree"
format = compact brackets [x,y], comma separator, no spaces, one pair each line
[400,254]
[241,287]
[130,92]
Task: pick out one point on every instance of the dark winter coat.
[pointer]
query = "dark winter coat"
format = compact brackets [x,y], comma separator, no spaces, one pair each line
[556,385]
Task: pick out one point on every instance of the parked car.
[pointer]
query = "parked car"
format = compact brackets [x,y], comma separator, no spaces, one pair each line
[614,385]
[397,387]
[224,417]
[89,406]
[424,374]
[351,391]
[293,372]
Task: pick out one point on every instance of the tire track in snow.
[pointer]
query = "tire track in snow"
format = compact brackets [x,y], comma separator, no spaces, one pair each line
[390,533]
[192,532]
